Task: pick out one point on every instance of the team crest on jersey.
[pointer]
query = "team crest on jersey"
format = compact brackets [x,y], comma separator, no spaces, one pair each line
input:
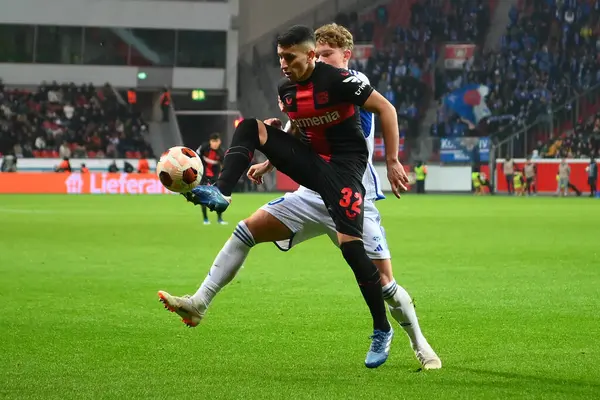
[322,98]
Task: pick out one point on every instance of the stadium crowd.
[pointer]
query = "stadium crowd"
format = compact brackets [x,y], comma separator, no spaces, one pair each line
[547,56]
[65,120]
[581,142]
[407,35]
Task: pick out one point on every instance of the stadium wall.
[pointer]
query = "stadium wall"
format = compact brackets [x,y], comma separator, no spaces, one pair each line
[259,17]
[547,169]
[439,179]
[93,164]
[188,15]
[77,183]
[126,77]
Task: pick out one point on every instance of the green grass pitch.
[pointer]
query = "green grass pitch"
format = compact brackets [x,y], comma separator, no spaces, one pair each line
[507,291]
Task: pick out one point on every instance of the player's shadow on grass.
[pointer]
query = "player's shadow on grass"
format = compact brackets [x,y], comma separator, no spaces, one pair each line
[523,377]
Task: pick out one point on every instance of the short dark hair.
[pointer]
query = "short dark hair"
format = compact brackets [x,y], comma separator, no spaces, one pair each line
[295,35]
[214,136]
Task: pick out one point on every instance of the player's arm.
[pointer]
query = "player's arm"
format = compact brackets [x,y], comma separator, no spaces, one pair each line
[353,90]
[377,104]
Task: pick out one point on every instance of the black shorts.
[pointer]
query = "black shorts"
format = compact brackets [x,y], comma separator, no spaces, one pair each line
[208,180]
[339,182]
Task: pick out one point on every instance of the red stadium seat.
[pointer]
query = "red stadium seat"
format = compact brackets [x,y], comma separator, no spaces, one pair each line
[129,154]
[91,154]
[137,155]
[37,153]
[54,154]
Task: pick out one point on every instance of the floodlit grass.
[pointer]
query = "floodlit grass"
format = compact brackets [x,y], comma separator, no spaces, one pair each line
[507,291]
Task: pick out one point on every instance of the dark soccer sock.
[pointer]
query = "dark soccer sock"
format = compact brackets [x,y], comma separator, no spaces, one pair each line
[204,214]
[220,216]
[368,279]
[238,156]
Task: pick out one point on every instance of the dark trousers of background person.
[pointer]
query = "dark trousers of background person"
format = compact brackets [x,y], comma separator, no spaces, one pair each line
[574,188]
[592,183]
[421,186]
[531,185]
[165,111]
[509,184]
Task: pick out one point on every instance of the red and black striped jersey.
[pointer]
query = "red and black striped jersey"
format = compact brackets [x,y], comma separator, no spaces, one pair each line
[325,108]
[211,159]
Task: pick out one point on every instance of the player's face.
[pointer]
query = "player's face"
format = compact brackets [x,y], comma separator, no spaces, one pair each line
[215,144]
[295,61]
[333,56]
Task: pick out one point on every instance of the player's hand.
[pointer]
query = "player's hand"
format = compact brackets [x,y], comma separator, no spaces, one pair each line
[397,177]
[274,122]
[256,172]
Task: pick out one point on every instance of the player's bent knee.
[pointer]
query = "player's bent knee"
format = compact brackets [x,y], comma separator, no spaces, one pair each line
[266,228]
[249,127]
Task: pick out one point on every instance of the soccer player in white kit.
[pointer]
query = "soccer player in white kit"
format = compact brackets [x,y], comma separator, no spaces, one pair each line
[306,216]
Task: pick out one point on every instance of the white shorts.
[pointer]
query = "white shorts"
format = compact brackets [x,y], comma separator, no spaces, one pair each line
[305,214]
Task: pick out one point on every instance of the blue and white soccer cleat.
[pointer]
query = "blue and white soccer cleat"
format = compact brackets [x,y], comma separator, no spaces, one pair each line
[380,348]
[209,196]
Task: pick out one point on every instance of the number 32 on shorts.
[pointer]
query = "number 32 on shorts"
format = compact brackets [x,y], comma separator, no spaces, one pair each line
[352,207]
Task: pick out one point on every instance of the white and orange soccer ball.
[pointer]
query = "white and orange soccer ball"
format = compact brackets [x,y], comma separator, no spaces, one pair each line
[180,169]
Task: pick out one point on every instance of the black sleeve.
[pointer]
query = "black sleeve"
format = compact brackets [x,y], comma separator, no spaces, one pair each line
[350,88]
[202,150]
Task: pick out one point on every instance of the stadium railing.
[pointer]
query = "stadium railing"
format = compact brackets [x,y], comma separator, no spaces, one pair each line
[511,143]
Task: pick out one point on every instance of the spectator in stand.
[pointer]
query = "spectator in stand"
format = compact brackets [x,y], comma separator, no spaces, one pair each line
[143,167]
[112,168]
[165,103]
[9,163]
[547,55]
[67,120]
[64,166]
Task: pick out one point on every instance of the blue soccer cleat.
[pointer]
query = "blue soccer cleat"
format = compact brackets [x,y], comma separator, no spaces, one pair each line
[380,348]
[209,196]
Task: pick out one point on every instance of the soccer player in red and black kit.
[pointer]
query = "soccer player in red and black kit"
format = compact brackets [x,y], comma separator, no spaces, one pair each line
[212,158]
[330,158]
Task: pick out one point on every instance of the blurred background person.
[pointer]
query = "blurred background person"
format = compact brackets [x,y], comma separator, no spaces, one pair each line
[211,155]
[530,170]
[9,163]
[421,175]
[592,173]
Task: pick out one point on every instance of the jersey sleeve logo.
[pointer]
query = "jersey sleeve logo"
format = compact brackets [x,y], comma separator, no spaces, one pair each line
[352,79]
[355,80]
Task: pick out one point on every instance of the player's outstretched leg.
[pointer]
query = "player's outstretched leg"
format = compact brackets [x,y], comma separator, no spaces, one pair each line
[237,158]
[228,262]
[402,309]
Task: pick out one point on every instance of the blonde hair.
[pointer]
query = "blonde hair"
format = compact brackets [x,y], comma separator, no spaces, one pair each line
[335,36]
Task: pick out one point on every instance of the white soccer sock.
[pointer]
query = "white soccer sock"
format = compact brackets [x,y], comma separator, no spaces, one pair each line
[226,265]
[403,311]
